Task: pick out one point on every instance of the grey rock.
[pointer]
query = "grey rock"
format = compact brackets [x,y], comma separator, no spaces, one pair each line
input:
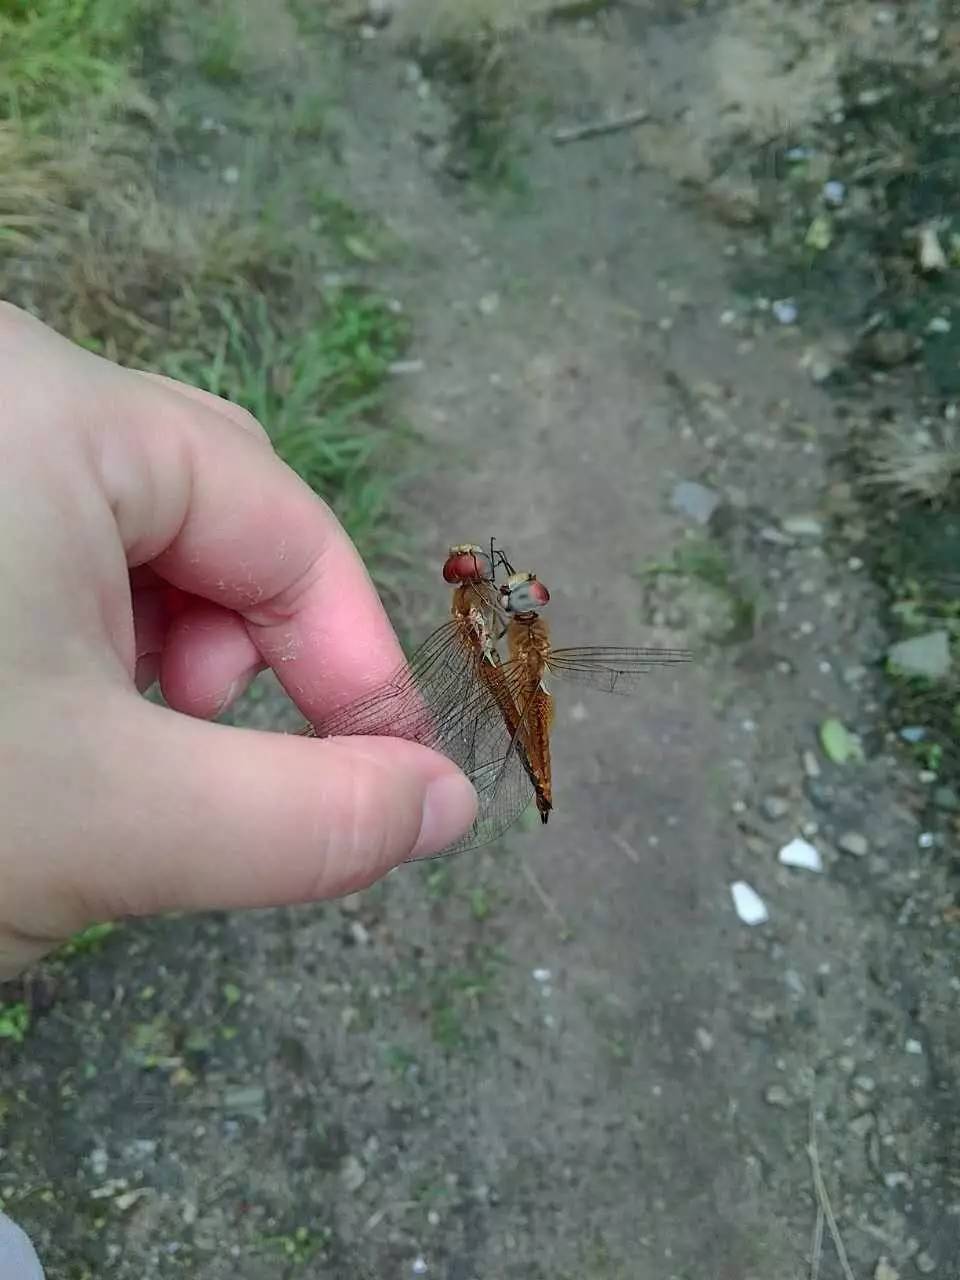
[946,798]
[854,843]
[245,1099]
[777,1096]
[927,655]
[802,526]
[695,501]
[775,807]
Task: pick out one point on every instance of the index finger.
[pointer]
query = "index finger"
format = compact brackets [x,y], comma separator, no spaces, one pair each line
[218,514]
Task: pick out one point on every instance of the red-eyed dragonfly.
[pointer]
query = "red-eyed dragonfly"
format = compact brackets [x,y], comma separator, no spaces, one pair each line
[491,717]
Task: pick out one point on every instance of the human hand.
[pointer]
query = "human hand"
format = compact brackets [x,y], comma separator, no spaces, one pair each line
[147,529]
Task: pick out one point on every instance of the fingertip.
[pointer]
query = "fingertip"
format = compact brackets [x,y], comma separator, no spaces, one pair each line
[449,808]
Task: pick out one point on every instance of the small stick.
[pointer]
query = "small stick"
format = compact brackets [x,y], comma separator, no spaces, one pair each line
[549,904]
[823,1200]
[626,846]
[816,1250]
[576,133]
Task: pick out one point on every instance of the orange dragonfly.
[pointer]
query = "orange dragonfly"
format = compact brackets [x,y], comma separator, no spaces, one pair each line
[492,717]
[449,696]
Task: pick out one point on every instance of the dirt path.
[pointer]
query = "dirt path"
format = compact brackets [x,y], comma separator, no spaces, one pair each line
[569,1058]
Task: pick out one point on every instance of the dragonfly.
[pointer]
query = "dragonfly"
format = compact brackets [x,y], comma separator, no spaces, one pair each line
[493,716]
[450,697]
[612,669]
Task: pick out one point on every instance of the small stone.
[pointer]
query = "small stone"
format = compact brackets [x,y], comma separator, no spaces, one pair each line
[542,975]
[946,798]
[489,304]
[696,501]
[359,933]
[351,904]
[886,348]
[352,1173]
[419,1266]
[777,1096]
[784,311]
[748,904]
[704,1039]
[800,853]
[884,1271]
[927,655]
[854,843]
[794,983]
[861,1125]
[914,1047]
[930,252]
[802,526]
[775,807]
[811,765]
[248,1099]
[231,175]
[834,193]
[925,1263]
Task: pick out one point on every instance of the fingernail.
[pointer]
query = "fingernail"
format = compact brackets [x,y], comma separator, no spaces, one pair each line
[449,806]
[240,685]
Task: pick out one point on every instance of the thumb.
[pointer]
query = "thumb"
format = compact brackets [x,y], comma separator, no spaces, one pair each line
[195,815]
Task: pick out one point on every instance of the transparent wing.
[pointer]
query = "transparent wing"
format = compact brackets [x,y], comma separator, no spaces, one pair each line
[504,791]
[612,669]
[447,697]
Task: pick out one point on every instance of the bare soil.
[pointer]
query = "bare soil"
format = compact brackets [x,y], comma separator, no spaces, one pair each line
[565,1057]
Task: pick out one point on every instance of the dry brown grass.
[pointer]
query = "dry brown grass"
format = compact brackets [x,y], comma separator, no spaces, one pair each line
[917,461]
[34,187]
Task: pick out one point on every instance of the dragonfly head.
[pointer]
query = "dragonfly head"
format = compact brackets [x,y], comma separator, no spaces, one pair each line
[523,594]
[467,563]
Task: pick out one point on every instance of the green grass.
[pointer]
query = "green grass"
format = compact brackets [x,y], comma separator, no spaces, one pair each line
[458,996]
[221,53]
[317,390]
[14,1021]
[67,51]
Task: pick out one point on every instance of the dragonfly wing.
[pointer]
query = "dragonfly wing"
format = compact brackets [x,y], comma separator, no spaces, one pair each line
[504,791]
[445,698]
[612,669]
[436,698]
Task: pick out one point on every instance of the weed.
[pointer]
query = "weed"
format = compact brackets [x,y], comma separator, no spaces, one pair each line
[703,561]
[480,903]
[919,463]
[400,1062]
[87,940]
[300,1245]
[457,996]
[14,1022]
[221,55]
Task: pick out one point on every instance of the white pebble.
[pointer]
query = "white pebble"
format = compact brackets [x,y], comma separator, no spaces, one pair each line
[748,904]
[802,854]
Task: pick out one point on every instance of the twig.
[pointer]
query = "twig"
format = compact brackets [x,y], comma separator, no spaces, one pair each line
[824,1206]
[622,843]
[816,1249]
[548,903]
[595,128]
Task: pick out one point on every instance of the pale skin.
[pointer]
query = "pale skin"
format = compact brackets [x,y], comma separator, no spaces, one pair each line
[148,531]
